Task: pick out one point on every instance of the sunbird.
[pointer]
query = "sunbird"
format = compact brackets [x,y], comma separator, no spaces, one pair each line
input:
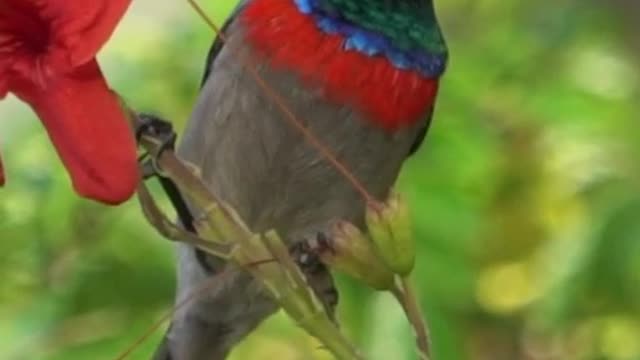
[362,76]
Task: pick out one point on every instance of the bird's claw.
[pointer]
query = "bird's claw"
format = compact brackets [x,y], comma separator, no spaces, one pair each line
[160,130]
[306,254]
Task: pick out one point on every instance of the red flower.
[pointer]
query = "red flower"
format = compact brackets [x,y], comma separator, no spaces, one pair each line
[47,59]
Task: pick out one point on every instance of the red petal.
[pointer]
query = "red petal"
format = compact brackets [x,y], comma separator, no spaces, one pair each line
[59,34]
[88,127]
[84,26]
[3,87]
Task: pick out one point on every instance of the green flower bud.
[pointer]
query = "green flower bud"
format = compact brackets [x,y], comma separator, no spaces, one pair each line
[352,253]
[390,231]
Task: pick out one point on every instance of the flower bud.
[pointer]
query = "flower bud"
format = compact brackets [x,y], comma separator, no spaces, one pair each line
[390,230]
[352,253]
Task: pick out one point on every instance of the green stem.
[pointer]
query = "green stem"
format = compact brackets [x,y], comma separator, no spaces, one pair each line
[322,328]
[406,296]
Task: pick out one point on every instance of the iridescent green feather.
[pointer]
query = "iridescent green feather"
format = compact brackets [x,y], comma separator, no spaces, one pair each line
[411,24]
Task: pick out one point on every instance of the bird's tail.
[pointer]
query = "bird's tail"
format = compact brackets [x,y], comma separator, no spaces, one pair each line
[200,347]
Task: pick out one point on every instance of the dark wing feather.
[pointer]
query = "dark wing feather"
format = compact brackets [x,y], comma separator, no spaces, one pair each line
[421,134]
[218,43]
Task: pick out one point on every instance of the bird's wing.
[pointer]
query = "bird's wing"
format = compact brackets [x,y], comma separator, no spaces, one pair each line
[219,43]
[422,133]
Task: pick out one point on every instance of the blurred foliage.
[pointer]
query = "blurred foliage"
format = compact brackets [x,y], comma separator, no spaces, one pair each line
[526,199]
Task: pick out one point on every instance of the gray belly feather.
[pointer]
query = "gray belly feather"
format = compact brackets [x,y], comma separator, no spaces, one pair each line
[253,159]
[251,156]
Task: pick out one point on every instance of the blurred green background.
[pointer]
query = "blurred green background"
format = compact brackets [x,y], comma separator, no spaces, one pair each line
[526,199]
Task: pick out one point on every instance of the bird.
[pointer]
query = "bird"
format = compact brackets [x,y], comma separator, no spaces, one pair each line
[362,76]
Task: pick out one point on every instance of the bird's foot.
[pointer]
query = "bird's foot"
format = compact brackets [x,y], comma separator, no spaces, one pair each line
[307,255]
[160,130]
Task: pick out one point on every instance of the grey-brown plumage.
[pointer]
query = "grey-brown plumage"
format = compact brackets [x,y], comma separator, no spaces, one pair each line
[252,158]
